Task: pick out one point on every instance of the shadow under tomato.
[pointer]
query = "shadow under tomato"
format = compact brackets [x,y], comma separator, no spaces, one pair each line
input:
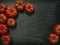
[21,11]
[16,17]
[29,14]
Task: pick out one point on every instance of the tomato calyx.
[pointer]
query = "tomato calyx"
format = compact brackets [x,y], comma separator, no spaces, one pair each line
[5,39]
[10,22]
[0,7]
[54,38]
[0,18]
[11,11]
[19,4]
[29,7]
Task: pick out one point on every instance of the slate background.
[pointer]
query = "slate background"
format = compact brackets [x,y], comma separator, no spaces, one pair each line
[34,29]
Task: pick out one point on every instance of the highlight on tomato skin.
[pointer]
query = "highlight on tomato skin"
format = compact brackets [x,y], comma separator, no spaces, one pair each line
[57,29]
[19,5]
[6,39]
[29,8]
[3,7]
[3,29]
[11,22]
[11,12]
[3,18]
[53,38]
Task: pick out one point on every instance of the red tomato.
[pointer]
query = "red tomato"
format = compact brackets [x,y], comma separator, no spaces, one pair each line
[6,39]
[19,5]
[57,29]
[3,18]
[29,8]
[3,29]
[11,22]
[11,11]
[53,38]
[2,7]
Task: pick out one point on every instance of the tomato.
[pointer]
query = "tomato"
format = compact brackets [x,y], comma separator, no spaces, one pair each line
[3,18]
[57,29]
[6,39]
[2,7]
[29,8]
[11,22]
[3,29]
[11,11]
[53,38]
[19,5]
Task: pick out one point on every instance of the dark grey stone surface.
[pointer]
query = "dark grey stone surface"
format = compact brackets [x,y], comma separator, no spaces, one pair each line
[34,29]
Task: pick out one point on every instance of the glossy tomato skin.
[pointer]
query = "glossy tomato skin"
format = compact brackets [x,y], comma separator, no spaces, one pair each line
[19,5]
[6,39]
[53,38]
[57,29]
[29,8]
[2,7]
[11,22]
[11,11]
[3,29]
[3,18]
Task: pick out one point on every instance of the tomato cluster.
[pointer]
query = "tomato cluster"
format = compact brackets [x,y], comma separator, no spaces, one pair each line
[54,37]
[7,18]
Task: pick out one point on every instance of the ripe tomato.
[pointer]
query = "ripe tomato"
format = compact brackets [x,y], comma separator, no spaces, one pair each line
[3,29]
[3,18]
[53,38]
[11,11]
[29,8]
[11,22]
[2,7]
[6,39]
[57,29]
[19,5]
